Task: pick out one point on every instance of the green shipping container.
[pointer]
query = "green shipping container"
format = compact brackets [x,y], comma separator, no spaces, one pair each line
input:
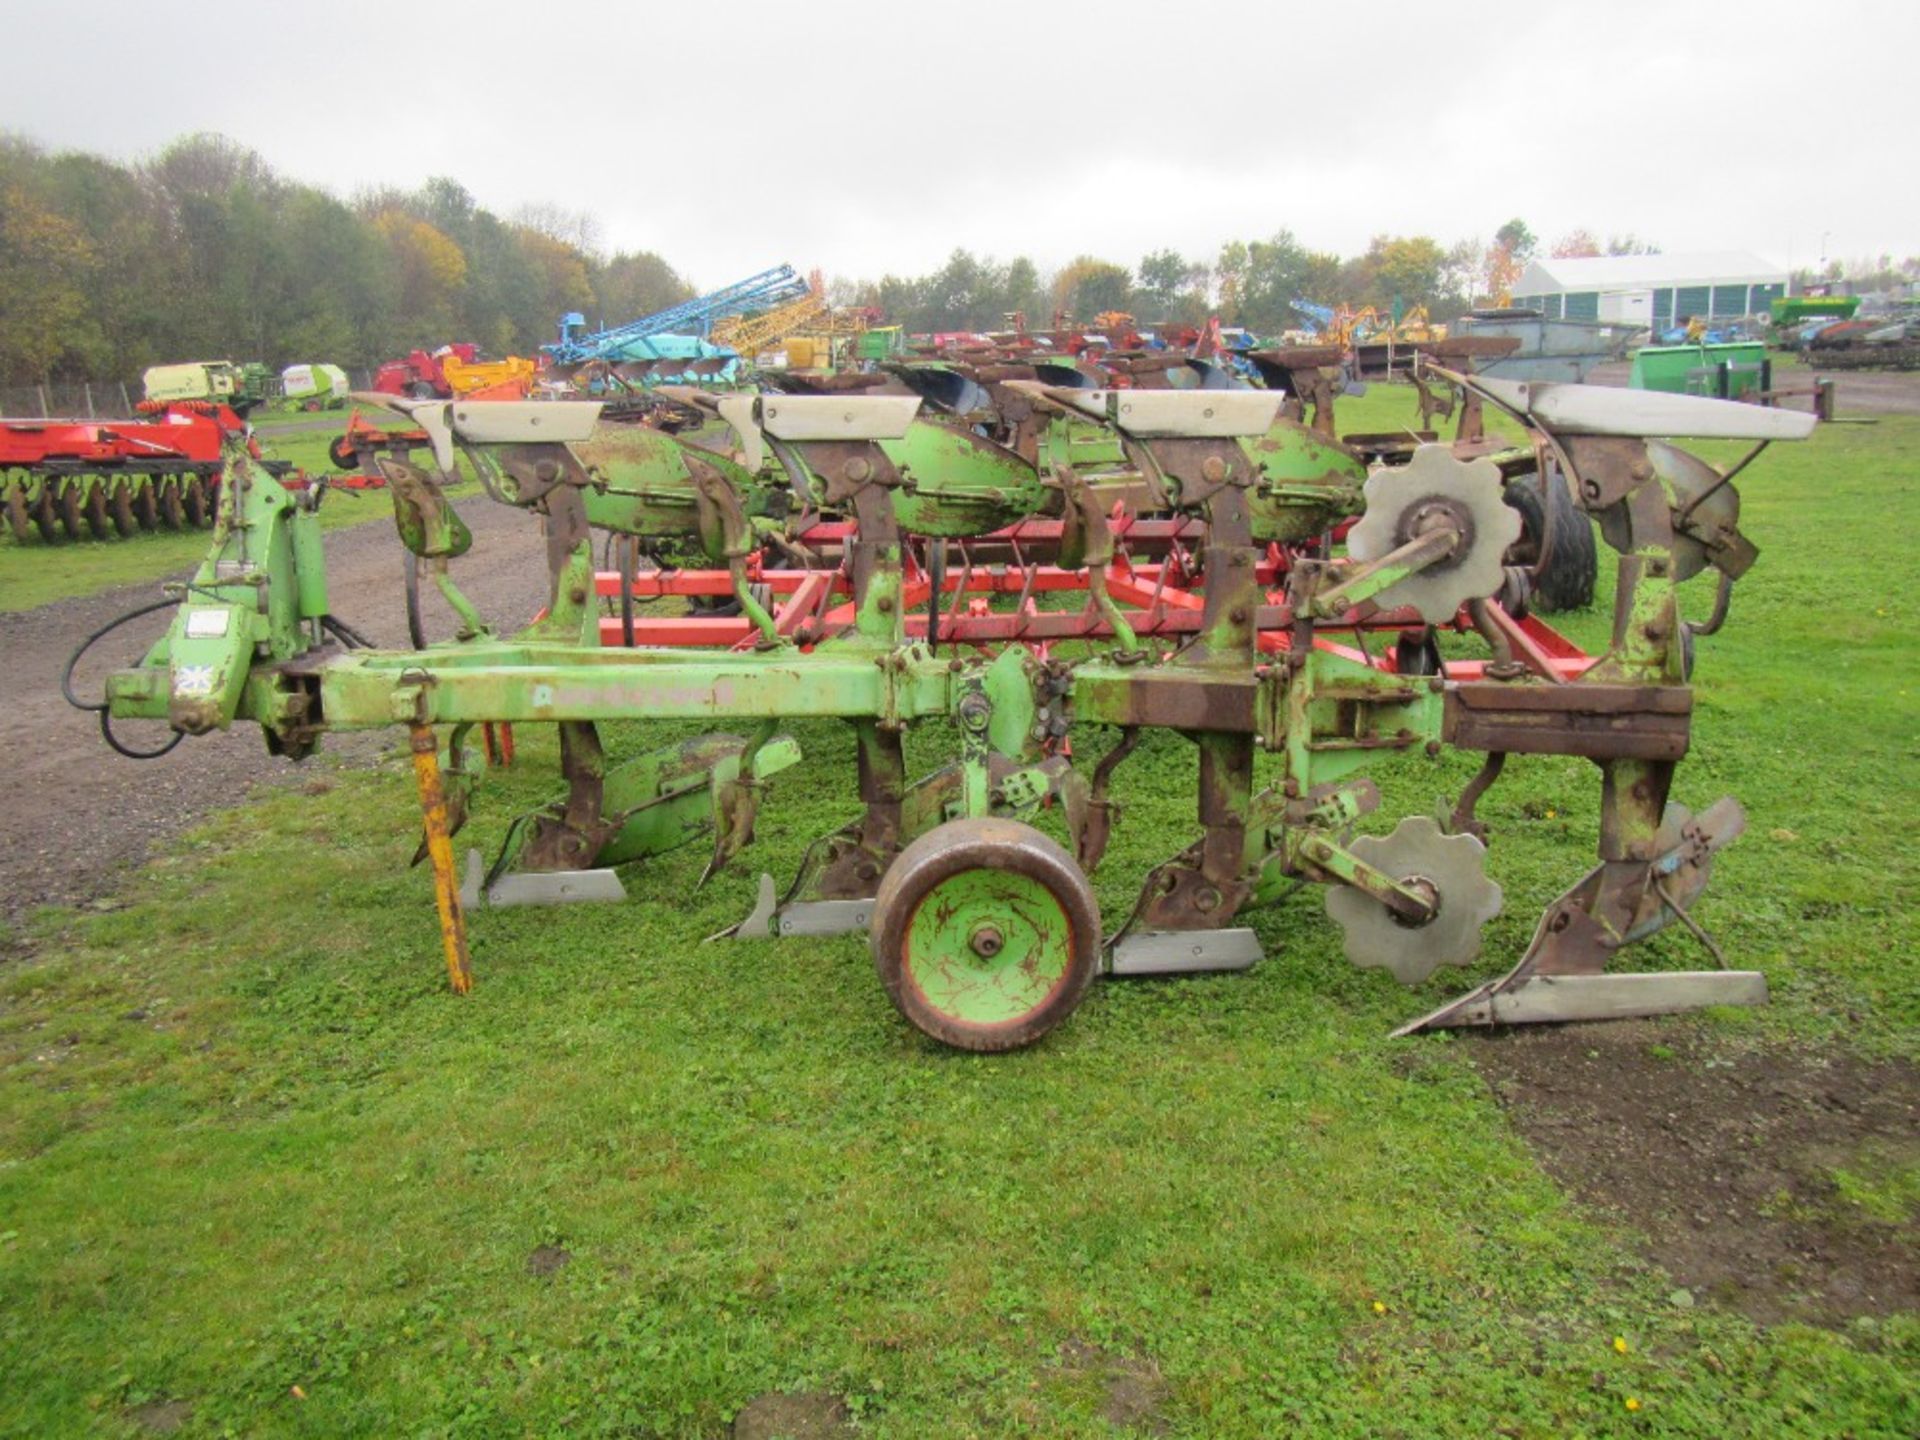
[1685,369]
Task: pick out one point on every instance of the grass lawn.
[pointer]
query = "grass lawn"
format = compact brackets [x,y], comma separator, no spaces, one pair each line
[261,1174]
[33,573]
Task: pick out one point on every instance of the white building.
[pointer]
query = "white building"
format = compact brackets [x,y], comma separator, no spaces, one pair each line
[1653,290]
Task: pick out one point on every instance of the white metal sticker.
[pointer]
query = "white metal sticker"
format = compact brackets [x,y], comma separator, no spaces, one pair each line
[207,624]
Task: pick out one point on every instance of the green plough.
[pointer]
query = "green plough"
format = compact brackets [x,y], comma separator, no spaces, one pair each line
[985,932]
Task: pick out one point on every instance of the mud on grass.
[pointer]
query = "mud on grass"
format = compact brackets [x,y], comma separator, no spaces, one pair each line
[1783,1182]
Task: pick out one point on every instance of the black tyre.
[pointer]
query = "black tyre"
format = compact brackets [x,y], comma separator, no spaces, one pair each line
[986,934]
[1574,561]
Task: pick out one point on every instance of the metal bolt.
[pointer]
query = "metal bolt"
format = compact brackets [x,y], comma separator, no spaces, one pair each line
[986,941]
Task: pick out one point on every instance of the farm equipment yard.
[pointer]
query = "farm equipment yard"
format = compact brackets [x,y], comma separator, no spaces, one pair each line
[629,1143]
[705,742]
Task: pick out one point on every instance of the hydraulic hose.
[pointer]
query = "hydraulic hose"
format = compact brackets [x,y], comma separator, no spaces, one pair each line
[100,708]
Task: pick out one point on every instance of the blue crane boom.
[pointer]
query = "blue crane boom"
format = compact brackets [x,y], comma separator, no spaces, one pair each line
[1320,314]
[696,317]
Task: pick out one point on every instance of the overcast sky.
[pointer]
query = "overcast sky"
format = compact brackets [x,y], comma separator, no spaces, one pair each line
[730,135]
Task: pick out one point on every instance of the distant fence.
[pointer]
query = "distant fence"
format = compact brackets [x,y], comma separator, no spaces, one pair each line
[111,399]
[96,400]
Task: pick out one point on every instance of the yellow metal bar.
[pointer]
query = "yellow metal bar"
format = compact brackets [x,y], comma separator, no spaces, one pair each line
[446,888]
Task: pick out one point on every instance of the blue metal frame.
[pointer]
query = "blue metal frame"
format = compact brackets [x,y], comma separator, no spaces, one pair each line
[744,297]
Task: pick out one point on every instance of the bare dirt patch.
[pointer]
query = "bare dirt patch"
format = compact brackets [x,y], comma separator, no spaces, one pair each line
[801,1415]
[547,1260]
[161,1417]
[1768,1180]
[1133,1393]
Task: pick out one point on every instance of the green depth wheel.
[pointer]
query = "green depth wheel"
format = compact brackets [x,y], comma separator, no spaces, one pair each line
[986,934]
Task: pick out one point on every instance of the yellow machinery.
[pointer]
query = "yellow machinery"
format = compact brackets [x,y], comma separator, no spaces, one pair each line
[465,377]
[748,335]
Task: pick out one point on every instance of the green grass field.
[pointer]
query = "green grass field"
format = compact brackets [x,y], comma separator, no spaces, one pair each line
[33,573]
[255,1160]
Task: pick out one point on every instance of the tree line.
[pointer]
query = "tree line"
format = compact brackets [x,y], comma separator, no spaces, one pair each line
[204,252]
[1250,283]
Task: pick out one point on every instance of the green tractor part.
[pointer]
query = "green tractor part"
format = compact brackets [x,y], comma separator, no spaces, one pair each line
[986,934]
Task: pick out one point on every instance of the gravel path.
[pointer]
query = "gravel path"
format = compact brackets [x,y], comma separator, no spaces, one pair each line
[75,814]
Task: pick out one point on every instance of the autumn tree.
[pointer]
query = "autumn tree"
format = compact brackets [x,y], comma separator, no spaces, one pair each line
[1087,287]
[46,263]
[1576,245]
[1406,270]
[429,266]
[1513,245]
